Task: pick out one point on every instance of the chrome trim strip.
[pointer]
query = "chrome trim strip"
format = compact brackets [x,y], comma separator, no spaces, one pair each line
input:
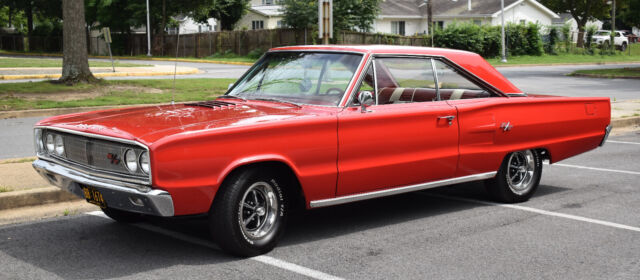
[124,178]
[102,137]
[400,190]
[607,130]
[116,194]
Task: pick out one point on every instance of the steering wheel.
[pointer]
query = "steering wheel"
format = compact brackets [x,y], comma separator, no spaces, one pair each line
[339,91]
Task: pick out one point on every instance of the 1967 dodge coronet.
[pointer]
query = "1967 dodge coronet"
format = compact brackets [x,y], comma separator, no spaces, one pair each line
[318,126]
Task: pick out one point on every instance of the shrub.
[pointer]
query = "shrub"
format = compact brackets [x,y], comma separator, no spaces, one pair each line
[256,53]
[485,40]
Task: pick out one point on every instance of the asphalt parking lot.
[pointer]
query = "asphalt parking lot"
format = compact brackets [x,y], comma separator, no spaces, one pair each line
[583,223]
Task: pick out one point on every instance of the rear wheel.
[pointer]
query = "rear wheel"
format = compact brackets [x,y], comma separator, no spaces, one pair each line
[623,47]
[123,216]
[249,213]
[518,177]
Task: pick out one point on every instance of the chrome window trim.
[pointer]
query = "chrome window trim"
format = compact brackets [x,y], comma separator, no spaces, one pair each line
[446,60]
[400,190]
[368,63]
[94,171]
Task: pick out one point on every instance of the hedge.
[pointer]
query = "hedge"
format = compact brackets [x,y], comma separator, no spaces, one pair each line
[522,39]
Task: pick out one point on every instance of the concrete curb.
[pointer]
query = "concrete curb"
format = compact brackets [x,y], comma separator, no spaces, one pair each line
[624,122]
[137,58]
[99,75]
[602,76]
[32,197]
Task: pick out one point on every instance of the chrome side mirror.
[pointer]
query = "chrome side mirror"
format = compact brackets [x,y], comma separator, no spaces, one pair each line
[365,98]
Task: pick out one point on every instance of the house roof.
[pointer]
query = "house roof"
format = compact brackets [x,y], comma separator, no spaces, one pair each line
[449,8]
[268,10]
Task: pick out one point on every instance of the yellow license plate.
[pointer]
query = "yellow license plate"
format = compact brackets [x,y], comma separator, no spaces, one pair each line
[93,196]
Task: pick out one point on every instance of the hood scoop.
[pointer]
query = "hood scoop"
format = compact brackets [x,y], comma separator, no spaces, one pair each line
[211,104]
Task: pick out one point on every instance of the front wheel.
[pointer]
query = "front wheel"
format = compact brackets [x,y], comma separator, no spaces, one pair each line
[249,213]
[518,177]
[623,47]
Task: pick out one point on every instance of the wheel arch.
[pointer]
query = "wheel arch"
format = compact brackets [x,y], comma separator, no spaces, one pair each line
[544,154]
[277,164]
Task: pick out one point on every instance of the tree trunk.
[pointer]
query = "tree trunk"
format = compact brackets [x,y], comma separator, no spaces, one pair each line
[164,24]
[29,14]
[75,62]
[581,28]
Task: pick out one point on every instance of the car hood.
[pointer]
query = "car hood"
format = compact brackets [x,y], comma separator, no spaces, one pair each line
[149,124]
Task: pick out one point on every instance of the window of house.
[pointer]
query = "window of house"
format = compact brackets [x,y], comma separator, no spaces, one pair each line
[280,24]
[523,21]
[439,24]
[477,22]
[397,27]
[257,24]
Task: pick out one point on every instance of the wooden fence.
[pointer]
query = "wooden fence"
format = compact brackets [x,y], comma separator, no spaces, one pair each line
[206,44]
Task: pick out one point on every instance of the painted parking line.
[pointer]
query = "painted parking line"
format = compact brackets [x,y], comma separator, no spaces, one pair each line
[206,243]
[539,211]
[596,168]
[622,142]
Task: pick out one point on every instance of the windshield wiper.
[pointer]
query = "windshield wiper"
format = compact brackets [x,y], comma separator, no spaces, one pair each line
[277,100]
[231,96]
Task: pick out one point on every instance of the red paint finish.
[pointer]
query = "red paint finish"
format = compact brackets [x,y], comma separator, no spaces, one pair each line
[337,151]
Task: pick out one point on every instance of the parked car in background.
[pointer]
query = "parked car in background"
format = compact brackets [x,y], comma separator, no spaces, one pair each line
[316,126]
[633,38]
[603,38]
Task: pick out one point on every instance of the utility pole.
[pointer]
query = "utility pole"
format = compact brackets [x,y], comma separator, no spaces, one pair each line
[613,27]
[148,31]
[504,46]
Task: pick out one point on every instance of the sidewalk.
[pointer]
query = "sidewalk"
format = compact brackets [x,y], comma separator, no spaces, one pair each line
[100,72]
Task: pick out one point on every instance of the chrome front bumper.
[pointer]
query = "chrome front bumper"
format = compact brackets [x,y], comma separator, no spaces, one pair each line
[606,134]
[153,202]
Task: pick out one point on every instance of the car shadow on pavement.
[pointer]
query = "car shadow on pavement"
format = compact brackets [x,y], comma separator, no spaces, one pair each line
[86,246]
[89,247]
[346,219]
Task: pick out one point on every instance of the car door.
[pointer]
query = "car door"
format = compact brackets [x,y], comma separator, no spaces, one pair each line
[407,137]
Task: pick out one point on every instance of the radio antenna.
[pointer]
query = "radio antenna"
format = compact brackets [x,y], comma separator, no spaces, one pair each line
[179,19]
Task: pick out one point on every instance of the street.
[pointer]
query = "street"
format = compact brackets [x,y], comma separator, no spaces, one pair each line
[581,224]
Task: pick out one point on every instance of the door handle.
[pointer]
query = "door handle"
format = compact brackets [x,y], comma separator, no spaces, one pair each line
[448,118]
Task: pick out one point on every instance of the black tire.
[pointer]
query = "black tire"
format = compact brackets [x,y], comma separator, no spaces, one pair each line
[518,177]
[257,188]
[123,216]
[623,47]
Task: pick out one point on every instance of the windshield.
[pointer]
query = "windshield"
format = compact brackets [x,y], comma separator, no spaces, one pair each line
[603,33]
[299,77]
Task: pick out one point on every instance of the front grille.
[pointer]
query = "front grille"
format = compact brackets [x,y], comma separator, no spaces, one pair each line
[99,156]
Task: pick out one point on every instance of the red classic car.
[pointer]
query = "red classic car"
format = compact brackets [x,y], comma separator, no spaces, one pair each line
[318,126]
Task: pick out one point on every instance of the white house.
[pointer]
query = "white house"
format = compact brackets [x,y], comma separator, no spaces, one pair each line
[566,18]
[409,17]
[262,14]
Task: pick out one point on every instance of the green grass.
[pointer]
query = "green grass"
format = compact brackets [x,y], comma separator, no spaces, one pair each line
[5,189]
[44,95]
[6,62]
[20,160]
[609,73]
[568,58]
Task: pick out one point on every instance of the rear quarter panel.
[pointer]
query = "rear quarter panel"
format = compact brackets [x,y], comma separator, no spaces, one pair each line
[565,126]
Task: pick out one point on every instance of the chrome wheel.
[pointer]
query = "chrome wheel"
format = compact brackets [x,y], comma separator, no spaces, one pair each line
[257,210]
[520,171]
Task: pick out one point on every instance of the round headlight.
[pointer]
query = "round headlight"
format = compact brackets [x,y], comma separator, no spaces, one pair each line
[131,160]
[144,162]
[59,145]
[50,144]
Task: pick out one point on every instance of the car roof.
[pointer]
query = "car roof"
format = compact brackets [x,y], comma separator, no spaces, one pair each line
[472,62]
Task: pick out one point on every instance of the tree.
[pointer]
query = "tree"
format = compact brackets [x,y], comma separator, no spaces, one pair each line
[347,14]
[581,10]
[629,14]
[75,62]
[228,12]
